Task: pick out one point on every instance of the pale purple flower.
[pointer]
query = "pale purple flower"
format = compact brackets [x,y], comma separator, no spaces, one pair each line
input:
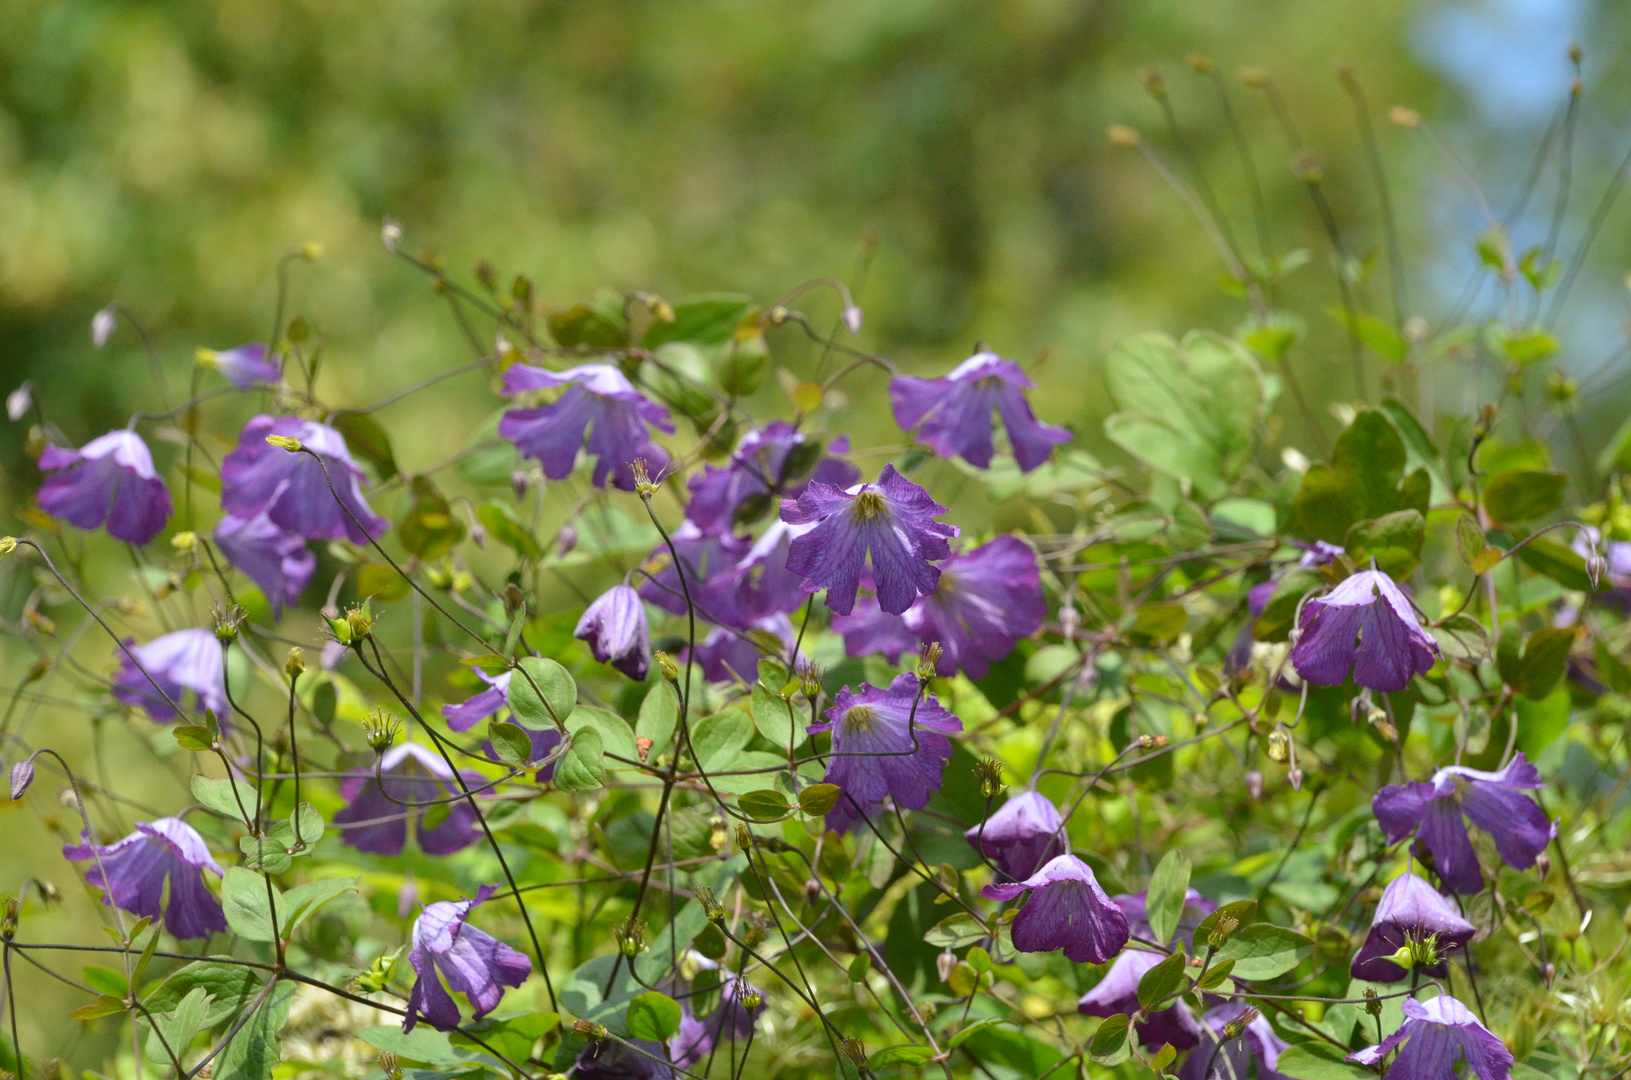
[1410,910]
[475,964]
[1021,836]
[873,749]
[1493,801]
[728,654]
[1067,910]
[291,488]
[376,821]
[131,873]
[109,481]
[599,400]
[776,460]
[892,520]
[277,561]
[183,660]
[243,366]
[1259,1041]
[1368,606]
[987,601]
[19,401]
[955,412]
[869,630]
[1117,992]
[709,562]
[1436,1034]
[615,628]
[731,1019]
[481,705]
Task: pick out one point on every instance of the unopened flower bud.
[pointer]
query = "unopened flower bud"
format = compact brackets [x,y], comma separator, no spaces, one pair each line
[1548,972]
[1279,748]
[311,251]
[1254,77]
[1403,117]
[566,539]
[1543,866]
[520,481]
[184,541]
[390,234]
[22,775]
[852,318]
[1237,1027]
[1200,64]
[944,963]
[285,442]
[8,544]
[1373,1001]
[19,401]
[1294,776]
[670,670]
[1254,784]
[1122,135]
[102,325]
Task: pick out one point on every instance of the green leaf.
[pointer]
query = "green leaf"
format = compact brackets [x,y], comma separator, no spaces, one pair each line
[817,800]
[230,798]
[1281,610]
[1393,540]
[502,525]
[1109,1043]
[653,1016]
[429,530]
[1374,333]
[1541,723]
[717,738]
[1523,346]
[194,737]
[1463,638]
[514,1036]
[1557,562]
[1158,623]
[583,766]
[1264,951]
[1420,453]
[1318,1061]
[901,1054]
[375,581]
[104,1005]
[548,712]
[1470,541]
[776,718]
[1163,1057]
[510,742]
[257,1048]
[423,1044]
[583,325]
[310,828]
[104,980]
[231,987]
[1165,900]
[1365,479]
[303,901]
[179,1026]
[367,439]
[659,713]
[956,931]
[764,805]
[1162,981]
[701,320]
[1542,664]
[1524,494]
[248,912]
[269,853]
[1243,912]
[615,734]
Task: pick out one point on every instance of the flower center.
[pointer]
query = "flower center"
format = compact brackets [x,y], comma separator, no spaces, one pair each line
[867,505]
[860,718]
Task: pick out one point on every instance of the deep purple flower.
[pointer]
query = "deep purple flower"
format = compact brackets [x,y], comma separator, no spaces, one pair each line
[1258,1041]
[709,562]
[608,1060]
[183,660]
[728,654]
[277,561]
[892,519]
[1493,801]
[1117,992]
[1067,910]
[600,400]
[1368,606]
[474,964]
[108,480]
[131,874]
[1023,834]
[1410,910]
[244,366]
[481,705]
[1439,1031]
[375,821]
[291,489]
[776,460]
[873,755]
[955,412]
[616,630]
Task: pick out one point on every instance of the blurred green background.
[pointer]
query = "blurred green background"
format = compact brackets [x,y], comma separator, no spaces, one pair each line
[164,156]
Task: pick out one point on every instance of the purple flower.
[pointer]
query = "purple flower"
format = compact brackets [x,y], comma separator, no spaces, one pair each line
[474,964]
[892,519]
[955,412]
[183,660]
[1493,801]
[1259,1040]
[1391,648]
[375,820]
[873,753]
[1117,992]
[1023,834]
[615,628]
[599,400]
[277,561]
[709,563]
[608,1060]
[987,600]
[1410,910]
[244,366]
[869,630]
[108,480]
[131,874]
[1067,910]
[732,1019]
[486,703]
[1439,1031]
[776,460]
[728,654]
[291,489]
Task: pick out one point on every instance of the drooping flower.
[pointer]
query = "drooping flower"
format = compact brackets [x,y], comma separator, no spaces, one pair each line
[1410,910]
[109,481]
[873,750]
[376,820]
[630,1059]
[728,654]
[1117,992]
[987,600]
[616,630]
[1436,1033]
[1493,801]
[599,400]
[277,561]
[1258,1041]
[892,520]
[955,412]
[481,705]
[776,460]
[1067,910]
[291,488]
[179,661]
[1391,648]
[243,366]
[474,963]
[1023,834]
[131,873]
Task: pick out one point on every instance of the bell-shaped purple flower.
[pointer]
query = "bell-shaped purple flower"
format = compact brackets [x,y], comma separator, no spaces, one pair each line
[1067,910]
[243,366]
[278,562]
[1022,835]
[955,412]
[892,520]
[885,743]
[1410,910]
[475,964]
[1436,1034]
[131,873]
[599,400]
[375,818]
[291,488]
[481,705]
[615,628]
[608,1060]
[1365,624]
[987,600]
[1117,992]
[776,460]
[1258,1041]
[183,660]
[109,481]
[1493,801]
